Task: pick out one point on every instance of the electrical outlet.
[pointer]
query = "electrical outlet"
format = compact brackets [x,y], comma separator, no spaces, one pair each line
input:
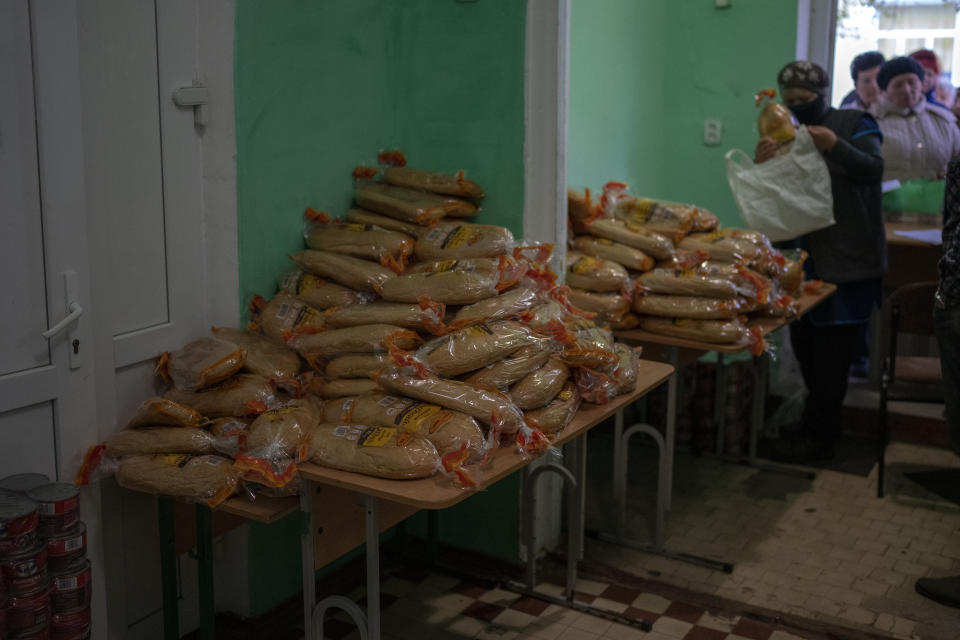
[712,131]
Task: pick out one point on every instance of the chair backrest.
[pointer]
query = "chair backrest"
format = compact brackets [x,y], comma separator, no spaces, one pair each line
[909,309]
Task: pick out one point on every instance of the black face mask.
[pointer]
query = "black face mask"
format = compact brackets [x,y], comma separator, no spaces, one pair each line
[810,112]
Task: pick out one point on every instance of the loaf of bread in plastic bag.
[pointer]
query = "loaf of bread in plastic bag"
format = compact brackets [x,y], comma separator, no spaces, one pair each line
[341,387]
[443,183]
[448,430]
[595,274]
[693,307]
[427,317]
[539,387]
[449,282]
[320,293]
[651,243]
[715,331]
[475,346]
[362,275]
[629,257]
[208,479]
[410,205]
[385,452]
[507,305]
[362,216]
[687,283]
[460,240]
[201,363]
[503,373]
[284,314]
[264,357]
[554,418]
[355,365]
[368,338]
[608,306]
[156,411]
[280,431]
[130,442]
[242,395]
[359,241]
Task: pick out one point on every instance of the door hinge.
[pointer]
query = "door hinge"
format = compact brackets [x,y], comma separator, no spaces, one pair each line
[195,96]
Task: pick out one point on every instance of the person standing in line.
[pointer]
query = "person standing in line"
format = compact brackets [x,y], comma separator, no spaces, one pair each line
[946,323]
[931,74]
[851,253]
[866,91]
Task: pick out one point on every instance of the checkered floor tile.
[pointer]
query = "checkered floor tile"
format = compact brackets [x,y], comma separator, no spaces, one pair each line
[418,605]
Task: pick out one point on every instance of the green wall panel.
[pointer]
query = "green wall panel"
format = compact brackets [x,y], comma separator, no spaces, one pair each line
[645,75]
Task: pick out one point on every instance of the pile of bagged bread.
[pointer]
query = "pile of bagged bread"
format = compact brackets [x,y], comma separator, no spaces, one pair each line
[668,268]
[404,341]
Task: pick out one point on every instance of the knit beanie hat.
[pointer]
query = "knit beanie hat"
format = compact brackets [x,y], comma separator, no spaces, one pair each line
[865,61]
[896,67]
[801,74]
[928,60]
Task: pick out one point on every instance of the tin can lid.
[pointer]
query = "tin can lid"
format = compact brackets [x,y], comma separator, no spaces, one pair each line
[14,506]
[78,529]
[23,482]
[54,492]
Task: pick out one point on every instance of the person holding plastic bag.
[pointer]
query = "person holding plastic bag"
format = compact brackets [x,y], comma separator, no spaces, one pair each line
[851,253]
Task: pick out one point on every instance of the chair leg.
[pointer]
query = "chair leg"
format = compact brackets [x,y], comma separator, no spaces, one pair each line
[883,435]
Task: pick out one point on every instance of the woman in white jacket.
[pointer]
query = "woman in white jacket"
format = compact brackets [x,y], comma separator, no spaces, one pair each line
[919,138]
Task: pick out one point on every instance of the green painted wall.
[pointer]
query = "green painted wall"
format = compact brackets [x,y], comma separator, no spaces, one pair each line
[321,86]
[645,75]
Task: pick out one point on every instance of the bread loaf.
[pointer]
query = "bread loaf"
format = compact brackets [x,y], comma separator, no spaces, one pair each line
[385,452]
[163,412]
[279,432]
[355,365]
[595,274]
[361,216]
[264,357]
[539,387]
[242,395]
[687,307]
[508,305]
[445,282]
[714,331]
[368,338]
[131,442]
[208,479]
[687,283]
[409,205]
[201,363]
[625,255]
[608,306]
[341,387]
[418,317]
[475,346]
[633,235]
[355,273]
[460,240]
[359,241]
[666,218]
[285,314]
[453,185]
[503,373]
[320,293]
[554,418]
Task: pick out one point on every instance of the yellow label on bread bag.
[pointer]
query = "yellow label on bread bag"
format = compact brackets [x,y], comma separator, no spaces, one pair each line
[584,265]
[377,436]
[640,210]
[354,226]
[565,395]
[446,265]
[307,282]
[458,237]
[174,459]
[478,331]
[412,418]
[604,241]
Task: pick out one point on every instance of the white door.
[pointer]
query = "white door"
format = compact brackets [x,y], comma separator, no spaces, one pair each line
[47,410]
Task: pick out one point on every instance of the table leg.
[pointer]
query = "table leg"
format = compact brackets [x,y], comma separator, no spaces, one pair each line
[720,404]
[761,366]
[205,572]
[168,568]
[371,505]
[307,489]
[619,473]
[670,431]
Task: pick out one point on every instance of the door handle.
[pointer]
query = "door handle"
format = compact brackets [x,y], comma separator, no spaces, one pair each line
[75,311]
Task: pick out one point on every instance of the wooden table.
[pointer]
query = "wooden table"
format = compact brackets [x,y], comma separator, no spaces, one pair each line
[440,493]
[909,260]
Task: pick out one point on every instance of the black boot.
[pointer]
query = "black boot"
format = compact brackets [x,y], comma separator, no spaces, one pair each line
[943,590]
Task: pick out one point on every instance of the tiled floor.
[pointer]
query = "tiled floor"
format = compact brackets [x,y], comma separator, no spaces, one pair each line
[827,550]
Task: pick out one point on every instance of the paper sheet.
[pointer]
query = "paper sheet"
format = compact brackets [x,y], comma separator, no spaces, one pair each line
[930,236]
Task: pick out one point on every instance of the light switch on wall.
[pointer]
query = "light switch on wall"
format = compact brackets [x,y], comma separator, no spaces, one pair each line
[712,131]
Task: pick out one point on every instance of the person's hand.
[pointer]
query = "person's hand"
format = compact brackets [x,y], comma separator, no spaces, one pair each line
[823,139]
[766,149]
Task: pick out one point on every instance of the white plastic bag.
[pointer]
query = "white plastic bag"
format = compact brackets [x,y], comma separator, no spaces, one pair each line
[786,196]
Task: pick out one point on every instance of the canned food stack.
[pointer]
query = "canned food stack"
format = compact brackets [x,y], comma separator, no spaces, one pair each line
[46,584]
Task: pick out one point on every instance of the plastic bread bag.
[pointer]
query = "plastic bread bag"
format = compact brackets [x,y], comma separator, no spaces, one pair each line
[626,322]
[460,240]
[143,441]
[454,282]
[625,371]
[651,243]
[341,387]
[584,343]
[244,394]
[390,248]
[693,307]
[281,432]
[201,363]
[265,357]
[792,279]
[552,419]
[355,365]
[688,283]
[748,282]
[595,274]
[361,275]
[475,346]
[595,386]
[669,219]
[155,412]
[208,479]
[384,452]
[705,220]
[424,316]
[505,306]
[442,183]
[410,205]
[774,120]
[724,245]
[605,249]
[448,430]
[362,216]
[368,338]
[503,373]
[712,331]
[283,315]
[320,293]
[539,387]
[488,407]
[580,207]
[608,307]
[227,427]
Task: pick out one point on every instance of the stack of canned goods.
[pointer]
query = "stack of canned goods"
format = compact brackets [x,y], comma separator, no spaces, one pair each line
[46,585]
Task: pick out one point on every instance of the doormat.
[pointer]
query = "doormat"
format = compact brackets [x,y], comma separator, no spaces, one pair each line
[943,482]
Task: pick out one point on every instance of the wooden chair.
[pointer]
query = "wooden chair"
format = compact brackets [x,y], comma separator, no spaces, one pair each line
[911,378]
